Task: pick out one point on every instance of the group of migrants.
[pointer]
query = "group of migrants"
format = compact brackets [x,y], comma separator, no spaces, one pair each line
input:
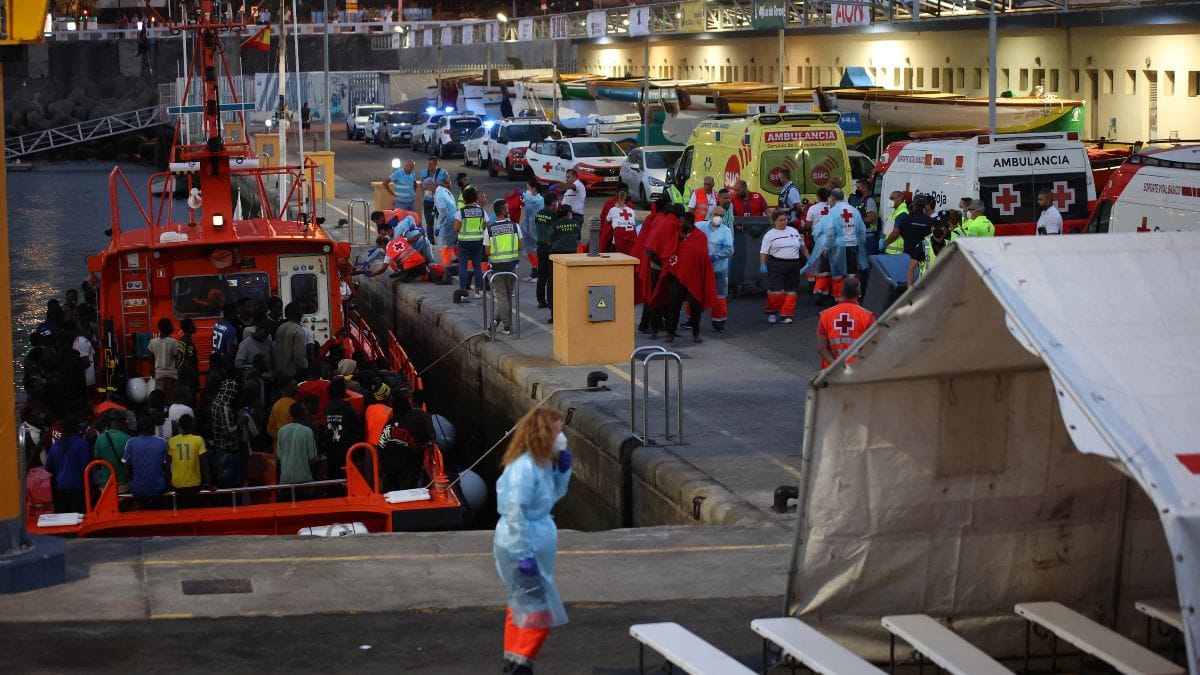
[274,407]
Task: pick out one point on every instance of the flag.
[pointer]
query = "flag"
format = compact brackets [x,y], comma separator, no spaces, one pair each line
[237,209]
[261,40]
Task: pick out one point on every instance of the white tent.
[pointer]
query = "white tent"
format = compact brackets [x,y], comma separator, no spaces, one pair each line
[965,460]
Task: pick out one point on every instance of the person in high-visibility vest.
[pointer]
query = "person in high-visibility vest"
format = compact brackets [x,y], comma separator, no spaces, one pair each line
[979,225]
[840,325]
[674,194]
[502,244]
[702,200]
[927,252]
[469,225]
[953,221]
[893,244]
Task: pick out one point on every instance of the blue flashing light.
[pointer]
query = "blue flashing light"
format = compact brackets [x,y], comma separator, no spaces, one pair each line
[430,110]
[489,123]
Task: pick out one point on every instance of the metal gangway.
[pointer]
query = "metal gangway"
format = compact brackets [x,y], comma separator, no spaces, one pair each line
[80,132]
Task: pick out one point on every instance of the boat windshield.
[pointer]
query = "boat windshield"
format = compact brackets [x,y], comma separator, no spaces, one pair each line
[598,149]
[202,297]
[662,160]
[529,132]
[399,118]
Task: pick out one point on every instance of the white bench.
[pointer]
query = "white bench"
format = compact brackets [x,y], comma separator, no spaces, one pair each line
[803,643]
[683,648]
[1165,610]
[1121,653]
[941,645]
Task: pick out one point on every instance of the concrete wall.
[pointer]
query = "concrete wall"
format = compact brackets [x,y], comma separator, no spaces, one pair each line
[1067,59]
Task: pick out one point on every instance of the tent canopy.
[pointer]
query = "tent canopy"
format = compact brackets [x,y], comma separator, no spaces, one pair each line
[950,449]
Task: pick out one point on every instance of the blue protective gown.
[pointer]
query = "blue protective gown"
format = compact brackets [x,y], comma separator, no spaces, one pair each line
[530,205]
[720,244]
[446,209]
[828,238]
[409,227]
[525,494]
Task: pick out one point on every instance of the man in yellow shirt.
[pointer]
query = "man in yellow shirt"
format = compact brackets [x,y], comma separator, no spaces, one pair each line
[189,469]
[280,414]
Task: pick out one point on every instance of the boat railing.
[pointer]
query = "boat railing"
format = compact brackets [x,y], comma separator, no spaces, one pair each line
[116,181]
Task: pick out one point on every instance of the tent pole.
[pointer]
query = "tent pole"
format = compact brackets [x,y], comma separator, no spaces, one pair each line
[791,597]
[1119,553]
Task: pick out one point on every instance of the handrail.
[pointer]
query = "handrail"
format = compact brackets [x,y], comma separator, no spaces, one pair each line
[637,355]
[489,300]
[647,355]
[324,203]
[366,206]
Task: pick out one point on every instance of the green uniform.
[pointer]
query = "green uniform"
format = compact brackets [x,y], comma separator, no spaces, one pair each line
[565,238]
[979,227]
[543,224]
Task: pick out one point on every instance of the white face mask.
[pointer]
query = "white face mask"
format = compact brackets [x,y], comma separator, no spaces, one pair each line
[715,220]
[560,443]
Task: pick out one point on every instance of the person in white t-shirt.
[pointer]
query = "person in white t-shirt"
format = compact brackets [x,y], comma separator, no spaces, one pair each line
[576,193]
[781,255]
[1049,220]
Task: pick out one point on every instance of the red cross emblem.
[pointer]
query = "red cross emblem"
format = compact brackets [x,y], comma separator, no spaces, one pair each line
[1143,227]
[844,324]
[1064,196]
[1005,200]
[547,166]
[847,217]
[626,213]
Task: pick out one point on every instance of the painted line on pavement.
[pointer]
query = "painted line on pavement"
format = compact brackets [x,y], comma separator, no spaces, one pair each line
[176,615]
[733,548]
[786,467]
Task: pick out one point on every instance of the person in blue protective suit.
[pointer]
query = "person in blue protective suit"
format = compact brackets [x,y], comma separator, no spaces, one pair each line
[532,202]
[414,234]
[842,235]
[720,250]
[537,470]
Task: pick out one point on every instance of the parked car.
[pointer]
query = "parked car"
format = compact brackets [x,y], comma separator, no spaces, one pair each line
[596,160]
[356,124]
[447,137]
[423,131]
[371,133]
[506,151]
[644,171]
[475,148]
[398,130]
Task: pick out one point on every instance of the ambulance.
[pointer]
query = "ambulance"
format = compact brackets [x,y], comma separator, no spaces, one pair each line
[1156,190]
[754,148]
[1004,171]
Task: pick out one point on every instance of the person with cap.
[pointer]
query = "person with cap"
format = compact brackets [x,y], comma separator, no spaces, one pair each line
[462,181]
[839,326]
[345,371]
[979,225]
[927,252]
[401,184]
[543,224]
[378,413]
[439,177]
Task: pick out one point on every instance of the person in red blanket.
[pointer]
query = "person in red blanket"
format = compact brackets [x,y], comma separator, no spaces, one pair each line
[687,276]
[618,229]
[661,238]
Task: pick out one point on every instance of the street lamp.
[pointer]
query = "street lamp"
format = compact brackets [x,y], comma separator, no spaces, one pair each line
[501,17]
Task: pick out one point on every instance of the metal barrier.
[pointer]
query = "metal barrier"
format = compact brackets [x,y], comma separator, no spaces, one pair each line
[489,303]
[647,355]
[366,209]
[324,203]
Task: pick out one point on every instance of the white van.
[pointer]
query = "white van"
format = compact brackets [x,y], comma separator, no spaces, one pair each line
[1155,190]
[1004,171]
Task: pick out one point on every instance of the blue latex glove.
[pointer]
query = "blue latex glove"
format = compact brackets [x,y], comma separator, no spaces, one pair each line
[564,461]
[528,567]
[882,244]
[762,269]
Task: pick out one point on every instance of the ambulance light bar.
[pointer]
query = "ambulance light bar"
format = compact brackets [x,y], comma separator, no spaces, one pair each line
[1031,146]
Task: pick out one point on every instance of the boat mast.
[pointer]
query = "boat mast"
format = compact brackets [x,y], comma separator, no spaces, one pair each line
[281,111]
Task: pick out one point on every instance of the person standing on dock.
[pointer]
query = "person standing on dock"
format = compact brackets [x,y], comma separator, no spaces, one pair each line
[445,207]
[575,195]
[537,472]
[402,185]
[543,225]
[469,225]
[532,202]
[440,177]
[720,250]
[566,229]
[502,246]
[840,325]
[702,199]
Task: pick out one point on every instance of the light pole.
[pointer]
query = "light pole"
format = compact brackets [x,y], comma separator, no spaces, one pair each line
[325,41]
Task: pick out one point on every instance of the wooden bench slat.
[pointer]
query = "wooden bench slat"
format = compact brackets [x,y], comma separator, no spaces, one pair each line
[943,646]
[808,646]
[1165,610]
[1092,638]
[686,649]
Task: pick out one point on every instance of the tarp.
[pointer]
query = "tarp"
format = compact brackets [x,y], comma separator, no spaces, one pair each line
[965,461]
[855,76]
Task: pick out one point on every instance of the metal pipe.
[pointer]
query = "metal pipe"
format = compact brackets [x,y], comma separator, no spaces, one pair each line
[646,91]
[992,67]
[325,55]
[636,356]
[779,68]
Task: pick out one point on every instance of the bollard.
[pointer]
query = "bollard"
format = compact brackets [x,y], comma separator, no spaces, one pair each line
[594,236]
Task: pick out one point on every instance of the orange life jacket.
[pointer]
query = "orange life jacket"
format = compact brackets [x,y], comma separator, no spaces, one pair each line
[702,206]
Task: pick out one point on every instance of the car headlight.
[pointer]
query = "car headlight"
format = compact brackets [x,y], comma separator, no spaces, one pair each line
[654,182]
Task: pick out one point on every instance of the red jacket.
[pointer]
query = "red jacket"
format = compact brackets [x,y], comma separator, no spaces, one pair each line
[754,205]
[691,265]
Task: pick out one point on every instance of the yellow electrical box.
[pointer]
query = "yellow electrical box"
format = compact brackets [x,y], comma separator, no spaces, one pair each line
[593,307]
[24,21]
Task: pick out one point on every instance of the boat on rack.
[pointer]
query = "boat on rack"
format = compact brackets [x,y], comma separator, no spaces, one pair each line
[698,101]
[892,114]
[188,263]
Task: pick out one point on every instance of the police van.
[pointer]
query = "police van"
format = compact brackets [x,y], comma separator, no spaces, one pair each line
[755,148]
[1004,171]
[1155,190]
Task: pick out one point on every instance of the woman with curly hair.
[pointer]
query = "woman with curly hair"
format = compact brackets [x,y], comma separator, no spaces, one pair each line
[537,470]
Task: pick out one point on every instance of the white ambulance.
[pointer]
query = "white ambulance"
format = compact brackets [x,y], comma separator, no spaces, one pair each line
[1155,190]
[1004,171]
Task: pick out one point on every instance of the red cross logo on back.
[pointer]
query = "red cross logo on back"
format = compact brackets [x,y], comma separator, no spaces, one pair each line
[1064,196]
[1005,200]
[844,324]
[847,217]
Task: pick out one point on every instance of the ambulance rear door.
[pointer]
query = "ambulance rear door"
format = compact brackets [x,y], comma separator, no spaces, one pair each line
[304,279]
[812,156]
[1012,173]
[938,170]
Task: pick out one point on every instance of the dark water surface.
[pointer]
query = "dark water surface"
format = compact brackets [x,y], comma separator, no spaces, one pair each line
[57,217]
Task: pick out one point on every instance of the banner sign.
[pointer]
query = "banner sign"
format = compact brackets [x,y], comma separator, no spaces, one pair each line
[428,42]
[597,23]
[639,20]
[525,30]
[849,14]
[769,14]
[492,30]
[693,17]
[447,35]
[468,34]
[558,26]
